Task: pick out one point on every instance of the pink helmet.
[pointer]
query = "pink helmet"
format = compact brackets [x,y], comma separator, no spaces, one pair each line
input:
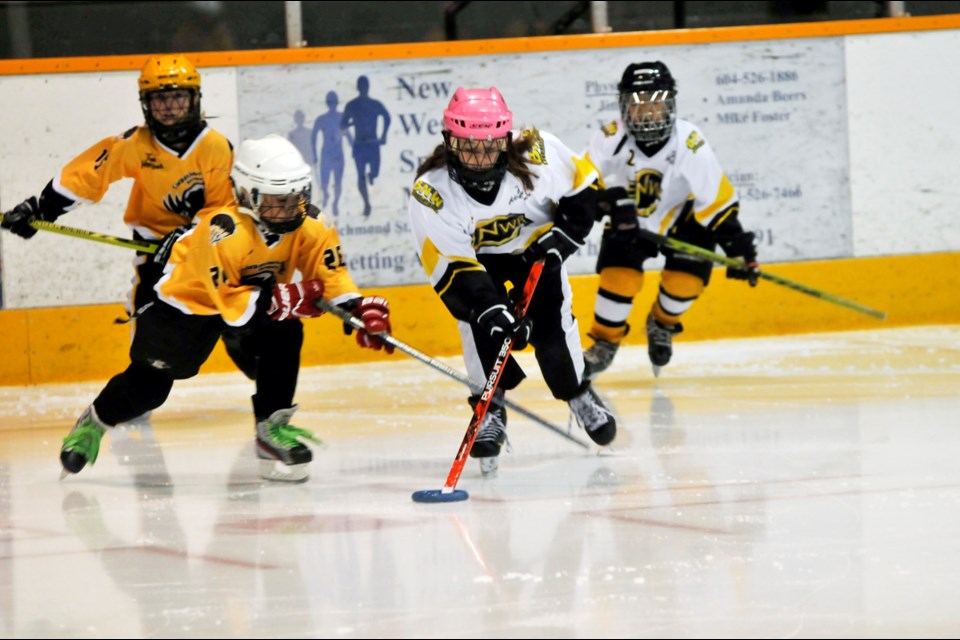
[478,114]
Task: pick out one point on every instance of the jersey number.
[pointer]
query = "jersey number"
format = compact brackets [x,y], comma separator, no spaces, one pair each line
[216,275]
[333,258]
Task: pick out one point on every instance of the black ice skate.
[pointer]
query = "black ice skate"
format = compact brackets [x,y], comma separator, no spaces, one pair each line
[492,434]
[660,343]
[593,416]
[598,357]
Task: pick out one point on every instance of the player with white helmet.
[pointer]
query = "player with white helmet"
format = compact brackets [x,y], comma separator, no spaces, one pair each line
[235,269]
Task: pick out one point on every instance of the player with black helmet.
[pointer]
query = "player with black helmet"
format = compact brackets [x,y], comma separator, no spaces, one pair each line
[659,174]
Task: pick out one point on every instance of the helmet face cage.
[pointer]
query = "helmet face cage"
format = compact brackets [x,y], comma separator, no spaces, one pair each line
[276,212]
[272,183]
[164,74]
[477,137]
[649,115]
[648,104]
[477,164]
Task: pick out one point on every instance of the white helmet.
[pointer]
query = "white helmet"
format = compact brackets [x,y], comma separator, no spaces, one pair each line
[271,166]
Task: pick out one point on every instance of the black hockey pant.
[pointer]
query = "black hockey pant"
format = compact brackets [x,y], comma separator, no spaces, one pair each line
[170,345]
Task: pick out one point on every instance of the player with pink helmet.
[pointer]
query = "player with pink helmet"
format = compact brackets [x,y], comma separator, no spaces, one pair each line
[488,203]
[477,128]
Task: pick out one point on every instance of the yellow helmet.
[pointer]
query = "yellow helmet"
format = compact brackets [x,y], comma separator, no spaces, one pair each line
[169,71]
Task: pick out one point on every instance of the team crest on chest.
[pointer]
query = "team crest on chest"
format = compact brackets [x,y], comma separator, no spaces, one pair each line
[498,231]
[646,187]
[187,196]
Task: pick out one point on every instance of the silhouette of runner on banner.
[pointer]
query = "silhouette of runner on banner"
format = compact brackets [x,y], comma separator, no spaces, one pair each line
[361,113]
[300,137]
[331,151]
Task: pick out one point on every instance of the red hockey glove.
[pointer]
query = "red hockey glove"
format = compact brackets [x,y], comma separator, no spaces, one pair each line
[295,300]
[374,313]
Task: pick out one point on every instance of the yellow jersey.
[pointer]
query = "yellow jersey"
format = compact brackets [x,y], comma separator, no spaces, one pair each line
[169,188]
[218,267]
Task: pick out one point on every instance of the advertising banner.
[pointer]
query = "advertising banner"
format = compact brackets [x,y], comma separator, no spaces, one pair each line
[774,112]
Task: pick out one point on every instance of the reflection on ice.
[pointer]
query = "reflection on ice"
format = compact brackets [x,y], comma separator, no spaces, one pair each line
[794,486]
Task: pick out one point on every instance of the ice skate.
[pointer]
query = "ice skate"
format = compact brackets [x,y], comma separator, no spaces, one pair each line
[491,436]
[660,343]
[593,416]
[82,444]
[598,357]
[281,449]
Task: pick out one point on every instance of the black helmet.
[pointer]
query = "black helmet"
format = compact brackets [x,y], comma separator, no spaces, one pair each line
[647,83]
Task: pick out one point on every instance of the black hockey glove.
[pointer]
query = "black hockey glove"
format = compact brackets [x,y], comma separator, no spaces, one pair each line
[19,218]
[624,227]
[500,323]
[646,248]
[743,246]
[553,244]
[162,254]
[622,210]
[265,280]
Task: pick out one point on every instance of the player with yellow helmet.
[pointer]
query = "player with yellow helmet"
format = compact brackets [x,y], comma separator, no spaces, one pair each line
[171,79]
[179,167]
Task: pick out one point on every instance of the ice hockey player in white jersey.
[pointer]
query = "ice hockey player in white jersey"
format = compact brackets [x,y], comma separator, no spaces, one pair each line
[660,174]
[488,203]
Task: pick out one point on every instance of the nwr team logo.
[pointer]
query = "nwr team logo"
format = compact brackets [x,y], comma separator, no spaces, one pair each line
[646,187]
[498,231]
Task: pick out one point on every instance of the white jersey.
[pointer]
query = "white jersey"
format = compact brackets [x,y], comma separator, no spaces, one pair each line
[682,176]
[452,229]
